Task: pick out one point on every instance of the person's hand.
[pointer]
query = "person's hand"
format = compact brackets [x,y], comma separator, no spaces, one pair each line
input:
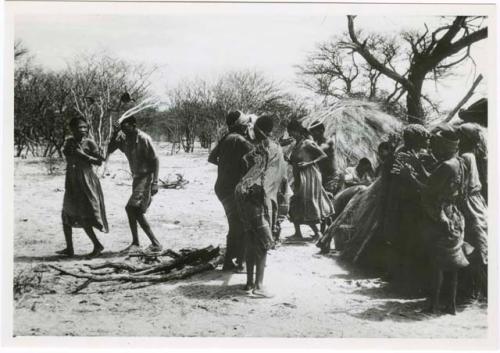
[302,164]
[115,129]
[79,150]
[154,188]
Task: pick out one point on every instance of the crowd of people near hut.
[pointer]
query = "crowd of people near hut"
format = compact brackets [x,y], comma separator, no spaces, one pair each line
[419,216]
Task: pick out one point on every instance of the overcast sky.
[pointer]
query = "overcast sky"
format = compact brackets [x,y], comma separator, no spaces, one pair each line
[185,46]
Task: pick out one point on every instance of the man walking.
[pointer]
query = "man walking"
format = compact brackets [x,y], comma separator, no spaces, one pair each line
[144,166]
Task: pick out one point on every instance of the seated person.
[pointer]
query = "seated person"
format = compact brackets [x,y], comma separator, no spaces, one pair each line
[362,174]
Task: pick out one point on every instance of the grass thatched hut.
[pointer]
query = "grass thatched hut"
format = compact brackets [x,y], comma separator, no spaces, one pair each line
[357,127]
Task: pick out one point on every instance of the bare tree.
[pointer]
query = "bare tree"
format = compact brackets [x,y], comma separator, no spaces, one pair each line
[333,70]
[431,55]
[97,82]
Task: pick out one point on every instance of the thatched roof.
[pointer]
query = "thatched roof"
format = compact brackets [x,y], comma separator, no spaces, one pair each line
[356,127]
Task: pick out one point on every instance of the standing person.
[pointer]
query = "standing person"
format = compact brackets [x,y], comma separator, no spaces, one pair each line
[228,156]
[473,140]
[326,165]
[310,203]
[475,210]
[83,204]
[443,223]
[403,212]
[257,199]
[144,166]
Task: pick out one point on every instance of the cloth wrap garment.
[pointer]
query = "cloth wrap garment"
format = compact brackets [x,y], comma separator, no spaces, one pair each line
[444,224]
[310,202]
[257,196]
[83,204]
[228,156]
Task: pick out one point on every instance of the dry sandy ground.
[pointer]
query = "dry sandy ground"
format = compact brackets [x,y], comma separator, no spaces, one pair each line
[315,296]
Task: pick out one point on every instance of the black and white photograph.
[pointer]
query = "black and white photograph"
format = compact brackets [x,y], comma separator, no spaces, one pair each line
[250,170]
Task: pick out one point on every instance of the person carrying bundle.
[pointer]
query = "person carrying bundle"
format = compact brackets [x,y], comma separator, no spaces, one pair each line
[228,157]
[144,166]
[310,203]
[258,202]
[83,204]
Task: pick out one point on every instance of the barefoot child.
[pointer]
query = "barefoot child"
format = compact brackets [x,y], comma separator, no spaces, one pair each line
[83,204]
[257,199]
[144,165]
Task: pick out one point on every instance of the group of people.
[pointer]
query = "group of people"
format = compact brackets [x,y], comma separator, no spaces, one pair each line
[431,204]
[83,204]
[424,214]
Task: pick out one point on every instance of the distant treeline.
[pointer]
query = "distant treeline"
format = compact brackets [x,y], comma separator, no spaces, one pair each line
[91,87]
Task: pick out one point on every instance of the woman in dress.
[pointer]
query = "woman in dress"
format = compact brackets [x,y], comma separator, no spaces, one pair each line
[475,209]
[310,203]
[83,205]
[444,223]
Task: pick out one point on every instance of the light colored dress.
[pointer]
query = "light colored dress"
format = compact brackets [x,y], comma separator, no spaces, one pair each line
[310,202]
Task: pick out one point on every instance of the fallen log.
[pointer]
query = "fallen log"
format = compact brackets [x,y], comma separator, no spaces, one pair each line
[204,254]
[118,266]
[181,274]
[168,252]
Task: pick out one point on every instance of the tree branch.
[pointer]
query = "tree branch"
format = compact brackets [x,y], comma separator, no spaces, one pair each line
[370,59]
[465,99]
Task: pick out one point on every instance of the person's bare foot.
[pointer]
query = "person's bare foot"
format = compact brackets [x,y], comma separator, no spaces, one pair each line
[96,252]
[153,249]
[450,310]
[296,237]
[262,293]
[66,252]
[248,288]
[132,248]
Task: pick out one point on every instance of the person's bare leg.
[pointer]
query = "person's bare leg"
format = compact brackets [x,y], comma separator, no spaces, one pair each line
[452,305]
[147,228]
[97,244]
[68,236]
[259,278]
[132,221]
[314,228]
[250,262]
[298,233]
[436,292]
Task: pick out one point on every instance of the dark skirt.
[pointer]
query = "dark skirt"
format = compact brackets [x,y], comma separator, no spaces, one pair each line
[257,217]
[83,204]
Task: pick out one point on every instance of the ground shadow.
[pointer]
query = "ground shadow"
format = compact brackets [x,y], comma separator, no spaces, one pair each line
[212,291]
[63,258]
[296,242]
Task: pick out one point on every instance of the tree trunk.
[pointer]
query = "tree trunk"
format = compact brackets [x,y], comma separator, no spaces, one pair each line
[414,107]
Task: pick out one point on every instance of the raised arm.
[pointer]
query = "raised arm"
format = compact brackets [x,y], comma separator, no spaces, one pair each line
[113,141]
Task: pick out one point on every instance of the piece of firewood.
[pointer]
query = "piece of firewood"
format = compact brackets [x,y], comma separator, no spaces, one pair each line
[181,274]
[207,253]
[117,266]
